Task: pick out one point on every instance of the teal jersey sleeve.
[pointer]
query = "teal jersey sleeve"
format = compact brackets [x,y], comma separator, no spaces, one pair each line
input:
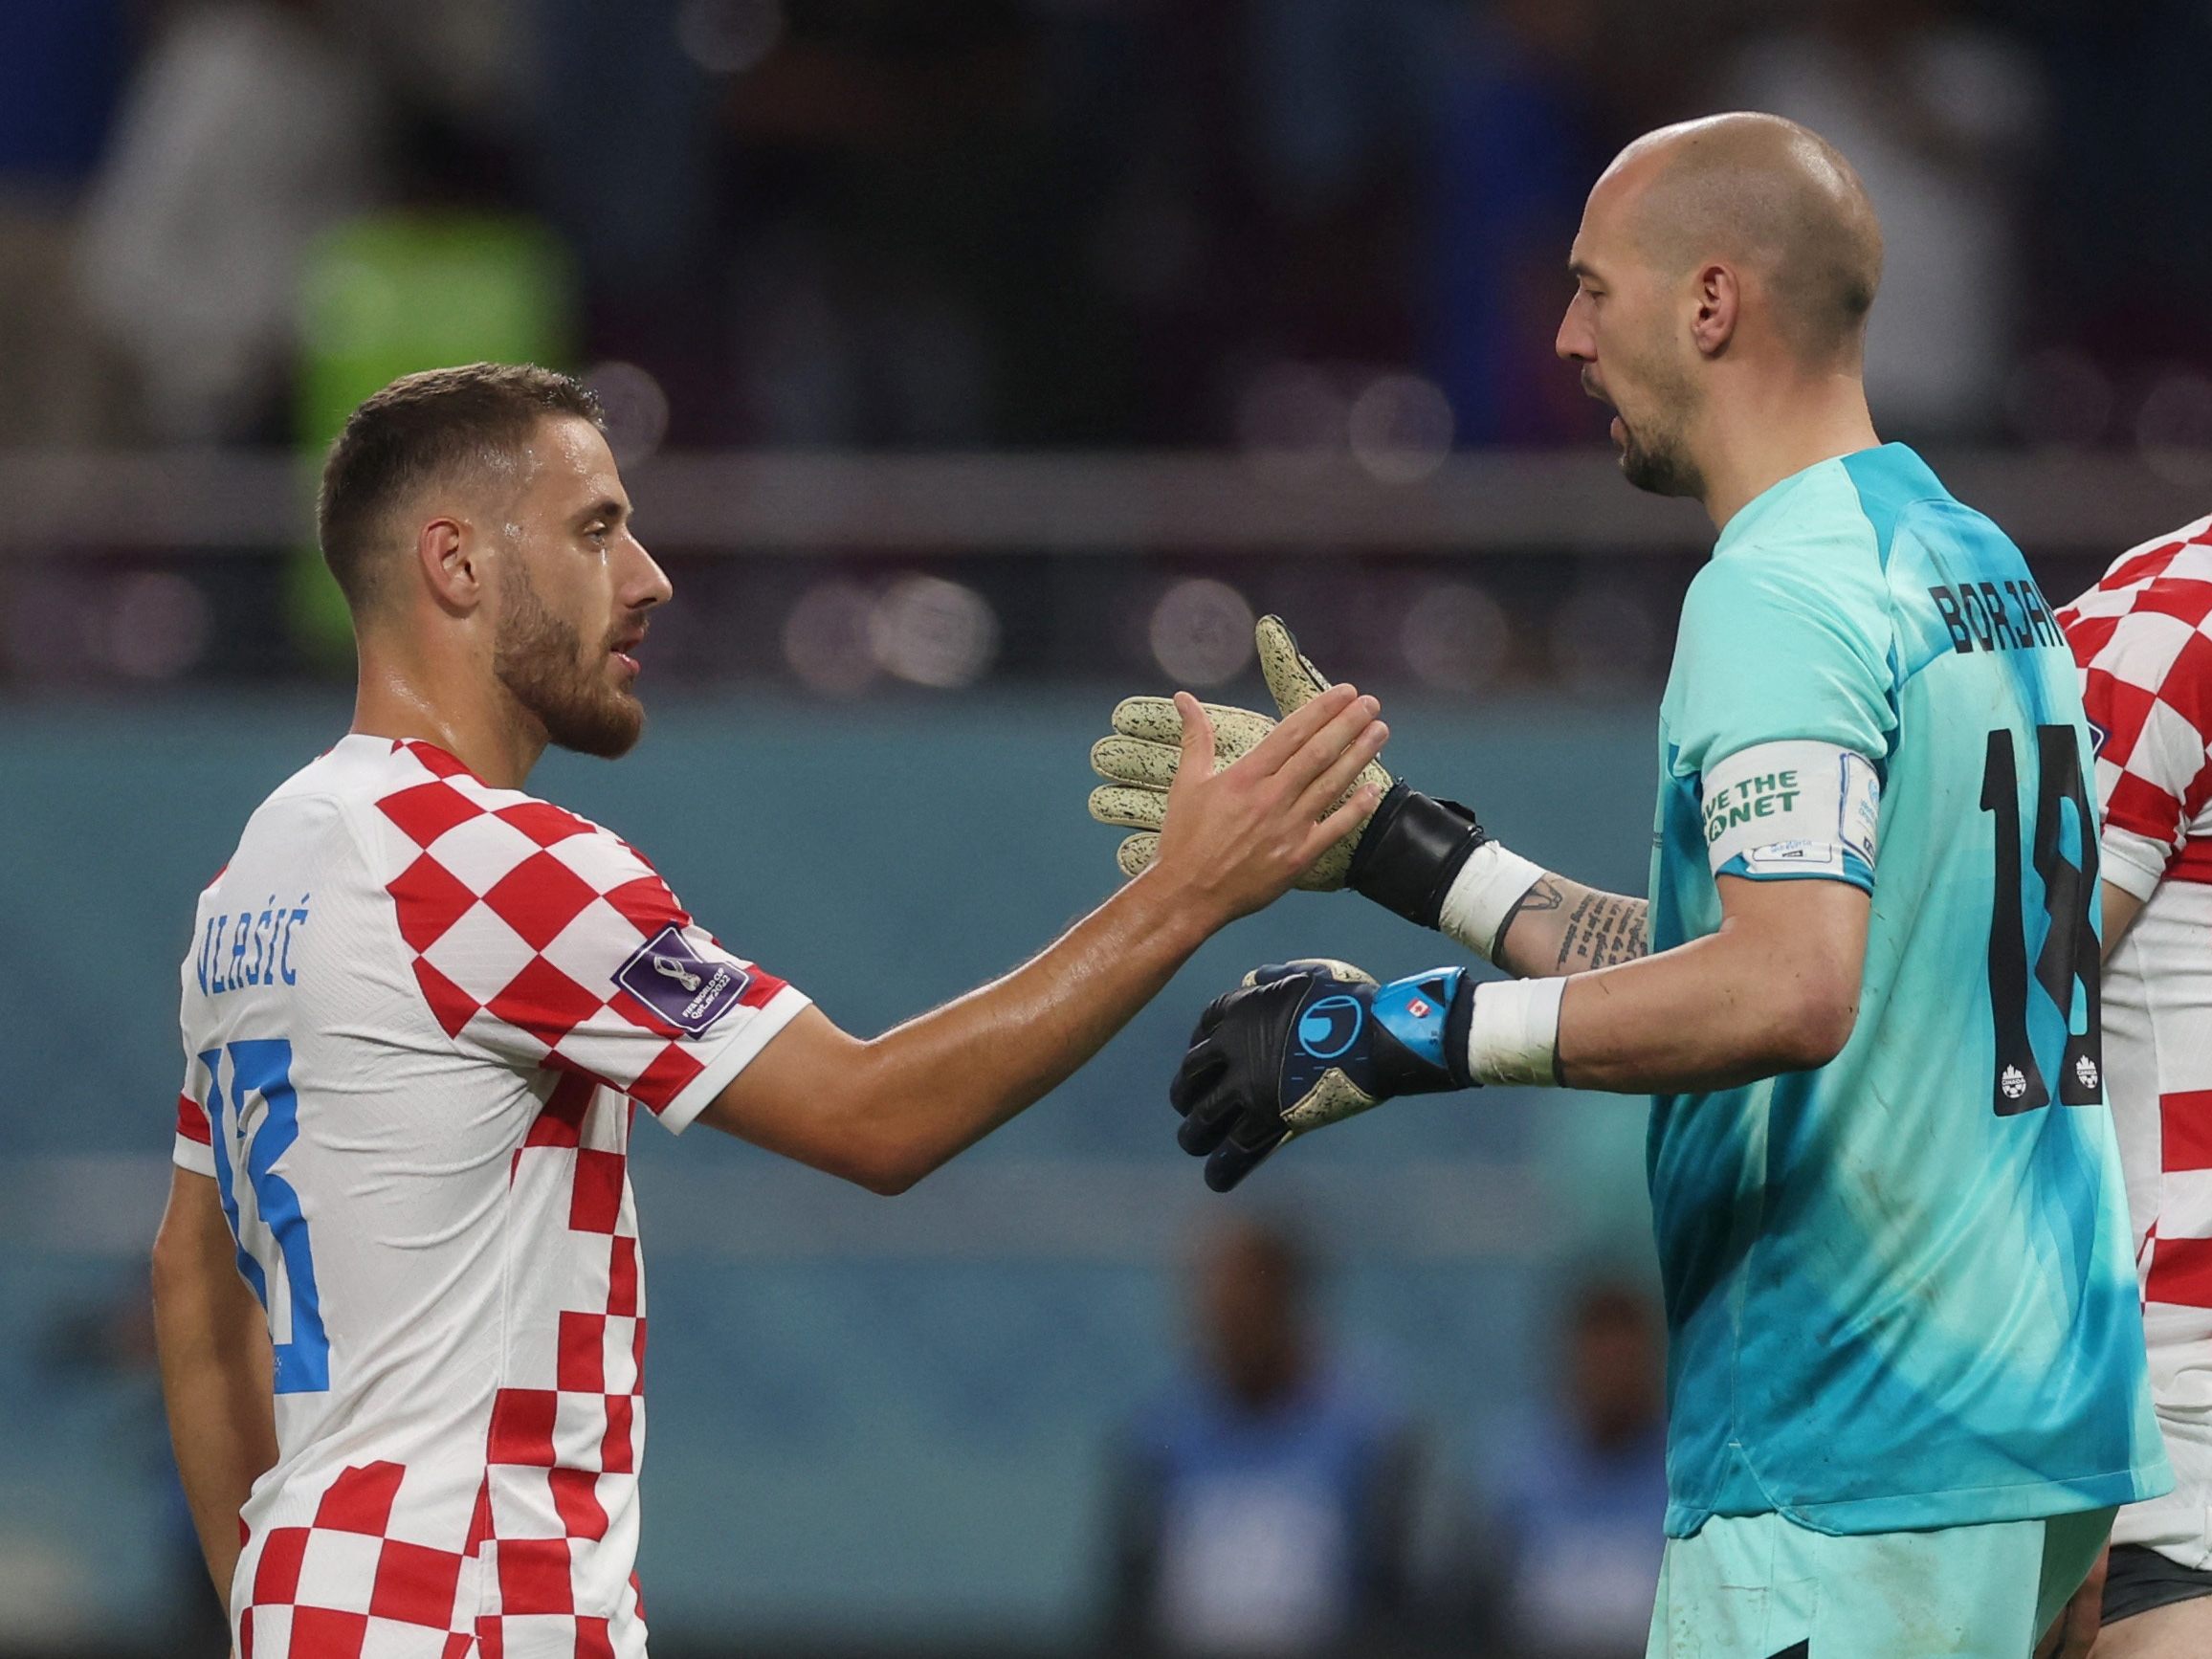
[1782,640]
[1786,640]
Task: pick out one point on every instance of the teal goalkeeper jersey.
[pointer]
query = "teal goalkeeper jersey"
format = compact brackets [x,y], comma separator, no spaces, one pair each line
[1900,1287]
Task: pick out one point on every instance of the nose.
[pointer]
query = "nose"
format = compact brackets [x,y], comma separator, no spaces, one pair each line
[647,584]
[1575,342]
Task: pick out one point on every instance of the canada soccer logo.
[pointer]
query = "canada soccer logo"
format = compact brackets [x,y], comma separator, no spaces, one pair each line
[2014,1083]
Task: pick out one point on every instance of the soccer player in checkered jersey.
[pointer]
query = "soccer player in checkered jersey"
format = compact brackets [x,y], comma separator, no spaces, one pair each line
[2143,639]
[398,1287]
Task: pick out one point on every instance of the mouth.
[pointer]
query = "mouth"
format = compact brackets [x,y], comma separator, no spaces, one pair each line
[622,648]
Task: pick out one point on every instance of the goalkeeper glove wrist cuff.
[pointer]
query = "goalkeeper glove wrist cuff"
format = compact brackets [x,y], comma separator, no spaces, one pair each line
[1410,850]
[1423,1022]
[1512,1031]
[1483,896]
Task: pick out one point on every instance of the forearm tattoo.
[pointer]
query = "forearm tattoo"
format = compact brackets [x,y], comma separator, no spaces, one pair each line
[1545,895]
[1603,929]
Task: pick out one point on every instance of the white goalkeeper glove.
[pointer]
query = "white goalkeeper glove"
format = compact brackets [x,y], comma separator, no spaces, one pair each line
[1428,860]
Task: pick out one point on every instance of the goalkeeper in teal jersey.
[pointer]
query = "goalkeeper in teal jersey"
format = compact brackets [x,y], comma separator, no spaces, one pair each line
[1906,1374]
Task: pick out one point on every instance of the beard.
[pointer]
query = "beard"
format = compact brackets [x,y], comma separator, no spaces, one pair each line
[541,661]
[1659,462]
[1656,449]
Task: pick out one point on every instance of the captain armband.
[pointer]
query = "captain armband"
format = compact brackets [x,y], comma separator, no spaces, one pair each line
[1801,809]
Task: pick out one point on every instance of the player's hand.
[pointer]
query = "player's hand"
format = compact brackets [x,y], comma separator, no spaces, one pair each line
[1402,854]
[1234,840]
[1305,1043]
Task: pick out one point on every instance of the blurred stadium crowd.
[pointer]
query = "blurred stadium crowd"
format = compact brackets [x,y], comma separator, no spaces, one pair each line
[1069,222]
[1328,228]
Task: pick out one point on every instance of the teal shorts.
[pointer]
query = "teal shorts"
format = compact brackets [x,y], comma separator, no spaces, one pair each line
[1761,1588]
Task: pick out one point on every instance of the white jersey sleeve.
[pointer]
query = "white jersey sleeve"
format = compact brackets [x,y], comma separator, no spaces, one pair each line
[2142,637]
[194,1147]
[541,940]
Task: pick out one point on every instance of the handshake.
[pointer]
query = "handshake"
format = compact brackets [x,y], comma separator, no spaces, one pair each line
[1307,1043]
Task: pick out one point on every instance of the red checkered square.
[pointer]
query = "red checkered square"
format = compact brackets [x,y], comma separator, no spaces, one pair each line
[534,1576]
[319,1634]
[427,811]
[2180,1272]
[429,900]
[649,905]
[545,1001]
[543,822]
[276,1575]
[595,1205]
[618,1447]
[2185,601]
[522,1427]
[2185,1129]
[360,1499]
[622,1278]
[583,1363]
[539,897]
[576,1498]
[434,760]
[415,1584]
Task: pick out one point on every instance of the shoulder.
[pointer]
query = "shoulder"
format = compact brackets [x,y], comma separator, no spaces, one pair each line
[1810,542]
[2154,596]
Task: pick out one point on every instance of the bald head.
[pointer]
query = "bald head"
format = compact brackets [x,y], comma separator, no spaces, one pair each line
[1772,197]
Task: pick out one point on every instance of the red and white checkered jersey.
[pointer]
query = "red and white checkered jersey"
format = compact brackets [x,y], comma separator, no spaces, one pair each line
[417,1014]
[2143,639]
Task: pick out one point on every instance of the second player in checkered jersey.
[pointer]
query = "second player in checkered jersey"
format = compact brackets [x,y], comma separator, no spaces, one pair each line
[2142,637]
[400,1299]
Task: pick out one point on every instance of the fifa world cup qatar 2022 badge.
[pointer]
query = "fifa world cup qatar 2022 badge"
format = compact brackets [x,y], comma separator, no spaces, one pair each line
[688,990]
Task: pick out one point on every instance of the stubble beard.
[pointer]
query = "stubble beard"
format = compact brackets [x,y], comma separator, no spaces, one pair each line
[1655,452]
[1660,467]
[541,661]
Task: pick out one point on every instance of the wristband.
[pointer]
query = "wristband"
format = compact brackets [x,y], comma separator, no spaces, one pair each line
[1411,851]
[1513,1032]
[1482,896]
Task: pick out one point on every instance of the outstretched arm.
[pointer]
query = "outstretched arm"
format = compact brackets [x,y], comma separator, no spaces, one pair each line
[886,1111]
[217,1372]
[1307,1044]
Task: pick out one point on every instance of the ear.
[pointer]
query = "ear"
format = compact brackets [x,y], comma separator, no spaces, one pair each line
[1720,301]
[445,554]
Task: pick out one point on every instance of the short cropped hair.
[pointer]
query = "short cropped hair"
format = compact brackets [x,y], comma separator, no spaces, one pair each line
[418,429]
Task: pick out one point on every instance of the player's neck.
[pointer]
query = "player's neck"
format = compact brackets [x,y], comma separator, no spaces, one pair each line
[487,734]
[1756,442]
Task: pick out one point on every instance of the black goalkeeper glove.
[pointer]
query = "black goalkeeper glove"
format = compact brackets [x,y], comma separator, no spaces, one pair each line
[1307,1043]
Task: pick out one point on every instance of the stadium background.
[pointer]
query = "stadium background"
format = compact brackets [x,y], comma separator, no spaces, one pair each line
[975,362]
